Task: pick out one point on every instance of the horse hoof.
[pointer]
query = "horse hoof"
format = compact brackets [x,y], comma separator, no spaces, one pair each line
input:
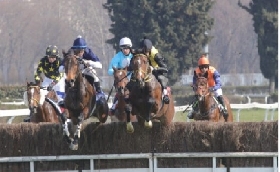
[73,146]
[148,124]
[129,127]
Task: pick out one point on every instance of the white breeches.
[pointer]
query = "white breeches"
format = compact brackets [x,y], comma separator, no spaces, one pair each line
[59,88]
[218,92]
[91,72]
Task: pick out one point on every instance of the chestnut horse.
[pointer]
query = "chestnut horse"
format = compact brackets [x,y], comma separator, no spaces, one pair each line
[146,94]
[80,99]
[41,110]
[120,82]
[208,106]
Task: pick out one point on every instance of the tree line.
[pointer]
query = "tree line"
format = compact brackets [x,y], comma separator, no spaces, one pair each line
[177,29]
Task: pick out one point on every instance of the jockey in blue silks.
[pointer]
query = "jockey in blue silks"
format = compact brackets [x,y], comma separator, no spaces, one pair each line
[121,60]
[92,62]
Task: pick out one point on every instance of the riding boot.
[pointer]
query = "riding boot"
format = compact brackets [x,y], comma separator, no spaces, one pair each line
[221,101]
[165,96]
[113,108]
[99,92]
[194,108]
[27,119]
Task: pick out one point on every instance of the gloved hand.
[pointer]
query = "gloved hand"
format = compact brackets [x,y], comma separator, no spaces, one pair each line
[162,69]
[50,87]
[212,89]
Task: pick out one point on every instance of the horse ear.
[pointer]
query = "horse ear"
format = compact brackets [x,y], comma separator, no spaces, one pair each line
[114,69]
[125,68]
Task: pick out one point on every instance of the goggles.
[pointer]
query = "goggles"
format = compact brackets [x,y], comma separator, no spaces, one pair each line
[203,66]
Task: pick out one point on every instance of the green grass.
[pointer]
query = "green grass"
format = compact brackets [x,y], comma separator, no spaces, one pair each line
[245,115]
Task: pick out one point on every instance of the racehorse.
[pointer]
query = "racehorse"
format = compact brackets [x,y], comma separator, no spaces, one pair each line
[80,99]
[146,94]
[120,82]
[41,110]
[208,106]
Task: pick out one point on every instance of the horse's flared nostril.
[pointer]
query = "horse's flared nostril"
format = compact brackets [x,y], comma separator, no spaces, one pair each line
[72,80]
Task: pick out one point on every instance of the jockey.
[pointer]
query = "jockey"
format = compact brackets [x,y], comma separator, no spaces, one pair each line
[120,60]
[49,66]
[158,64]
[214,82]
[92,61]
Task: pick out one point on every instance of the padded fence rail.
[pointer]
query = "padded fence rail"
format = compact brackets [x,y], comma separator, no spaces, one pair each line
[153,161]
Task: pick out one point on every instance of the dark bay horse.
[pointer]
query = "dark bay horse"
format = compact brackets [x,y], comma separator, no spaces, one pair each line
[208,108]
[146,94]
[41,110]
[120,82]
[80,99]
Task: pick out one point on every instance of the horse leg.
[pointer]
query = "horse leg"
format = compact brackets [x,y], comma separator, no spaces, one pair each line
[148,122]
[66,132]
[129,126]
[75,142]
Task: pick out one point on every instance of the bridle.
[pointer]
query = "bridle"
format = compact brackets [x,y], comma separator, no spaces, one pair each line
[142,75]
[33,102]
[202,92]
[121,88]
[77,63]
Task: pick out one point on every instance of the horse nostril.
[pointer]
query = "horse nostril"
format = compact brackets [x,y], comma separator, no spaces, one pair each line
[72,80]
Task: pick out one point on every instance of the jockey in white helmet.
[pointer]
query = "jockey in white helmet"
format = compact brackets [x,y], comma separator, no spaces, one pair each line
[121,60]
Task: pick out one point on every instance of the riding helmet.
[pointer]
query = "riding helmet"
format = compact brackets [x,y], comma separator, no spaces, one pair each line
[125,42]
[79,43]
[203,60]
[146,44]
[52,50]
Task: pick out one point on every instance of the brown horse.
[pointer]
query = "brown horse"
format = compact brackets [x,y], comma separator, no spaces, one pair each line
[120,82]
[41,110]
[80,98]
[208,106]
[146,94]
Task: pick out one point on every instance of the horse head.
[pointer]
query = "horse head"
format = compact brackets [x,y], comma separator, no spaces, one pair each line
[33,96]
[141,69]
[201,86]
[120,79]
[72,65]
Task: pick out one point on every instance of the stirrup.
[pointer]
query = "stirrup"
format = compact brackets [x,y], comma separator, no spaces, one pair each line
[100,95]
